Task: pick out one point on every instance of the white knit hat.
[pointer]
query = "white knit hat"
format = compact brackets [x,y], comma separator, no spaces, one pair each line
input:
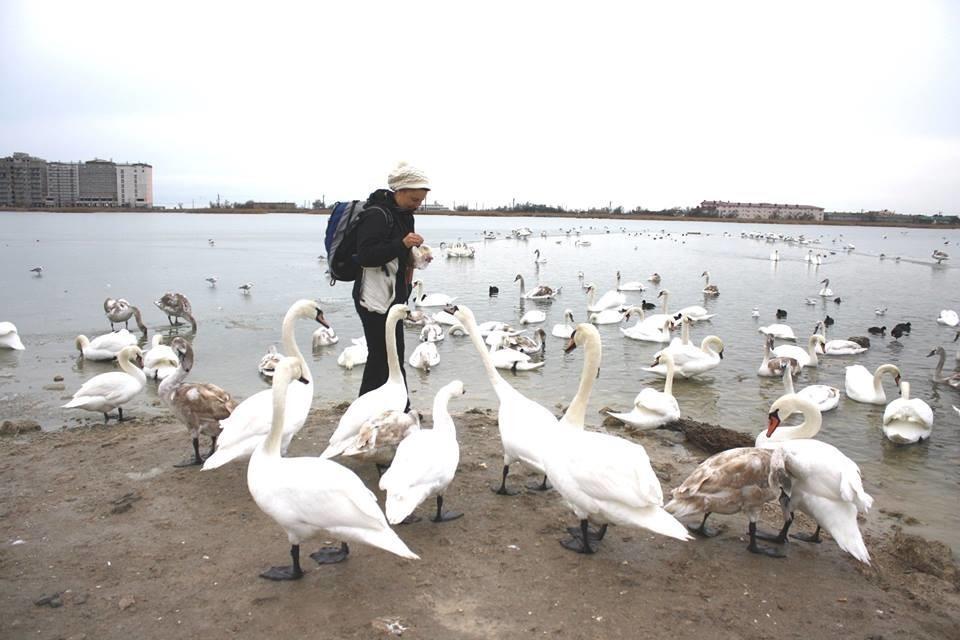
[406,176]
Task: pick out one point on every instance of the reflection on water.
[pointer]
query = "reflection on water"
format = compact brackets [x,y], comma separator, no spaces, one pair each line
[88,257]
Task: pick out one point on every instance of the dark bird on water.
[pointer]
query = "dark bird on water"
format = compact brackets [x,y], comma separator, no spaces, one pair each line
[781,314]
[900,329]
[863,341]
[828,321]
[877,331]
[646,306]
[837,300]
[494,291]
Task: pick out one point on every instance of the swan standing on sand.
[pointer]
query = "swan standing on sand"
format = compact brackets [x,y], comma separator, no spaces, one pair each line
[862,386]
[249,423]
[564,329]
[307,496]
[602,478]
[199,405]
[422,299]
[907,420]
[9,338]
[652,408]
[633,285]
[825,484]
[120,310]
[160,361]
[729,482]
[105,347]
[425,463]
[709,289]
[176,306]
[524,425]
[391,395]
[109,391]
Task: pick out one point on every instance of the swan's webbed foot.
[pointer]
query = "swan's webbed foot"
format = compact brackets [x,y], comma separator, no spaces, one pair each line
[292,572]
[444,516]
[781,537]
[703,530]
[331,555]
[581,543]
[195,460]
[807,537]
[502,490]
[595,535]
[543,486]
[753,547]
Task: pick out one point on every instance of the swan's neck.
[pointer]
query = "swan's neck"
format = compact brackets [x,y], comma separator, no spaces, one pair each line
[271,445]
[943,358]
[133,370]
[904,390]
[139,321]
[668,385]
[812,420]
[877,385]
[788,381]
[290,342]
[665,296]
[685,331]
[442,422]
[576,413]
[522,288]
[393,358]
[169,384]
[492,374]
[812,350]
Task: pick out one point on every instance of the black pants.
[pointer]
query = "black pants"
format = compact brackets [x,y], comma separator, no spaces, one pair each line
[376,372]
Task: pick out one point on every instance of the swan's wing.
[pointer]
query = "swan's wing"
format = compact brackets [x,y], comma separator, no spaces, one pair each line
[108,385]
[608,468]
[656,402]
[207,400]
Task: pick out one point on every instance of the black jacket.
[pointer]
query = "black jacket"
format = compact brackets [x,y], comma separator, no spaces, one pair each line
[380,241]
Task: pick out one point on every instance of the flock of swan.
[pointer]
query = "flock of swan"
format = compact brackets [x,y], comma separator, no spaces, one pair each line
[602,478]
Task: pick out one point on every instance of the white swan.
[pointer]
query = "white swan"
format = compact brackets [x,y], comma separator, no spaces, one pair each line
[528,345]
[609,300]
[695,312]
[863,386]
[324,337]
[689,360]
[774,367]
[729,482]
[602,478]
[534,316]
[652,408]
[607,316]
[825,291]
[804,357]
[948,317]
[633,285]
[842,348]
[250,421]
[646,332]
[564,329]
[825,484]
[108,391]
[160,361]
[422,299]
[198,405]
[709,289]
[541,292]
[504,357]
[355,355]
[779,331]
[775,256]
[431,332]
[392,394]
[654,278]
[9,338]
[523,424]
[538,259]
[425,356]
[105,347]
[269,361]
[824,396]
[307,496]
[425,463]
[907,420]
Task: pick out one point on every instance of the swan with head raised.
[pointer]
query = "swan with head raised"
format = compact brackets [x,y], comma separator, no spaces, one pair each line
[824,396]
[425,463]
[391,395]
[524,424]
[307,496]
[564,329]
[609,300]
[907,420]
[108,391]
[422,299]
[825,291]
[633,285]
[804,358]
[863,386]
[775,366]
[953,379]
[709,289]
[542,292]
[824,483]
[250,421]
[602,478]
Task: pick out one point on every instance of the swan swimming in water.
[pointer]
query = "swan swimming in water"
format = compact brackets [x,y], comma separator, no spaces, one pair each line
[422,299]
[309,495]
[863,386]
[907,420]
[826,291]
[609,300]
[709,289]
[633,285]
[652,408]
[355,355]
[105,347]
[541,292]
[9,338]
[564,329]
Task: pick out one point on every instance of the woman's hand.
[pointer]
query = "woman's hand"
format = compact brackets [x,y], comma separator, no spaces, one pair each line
[412,240]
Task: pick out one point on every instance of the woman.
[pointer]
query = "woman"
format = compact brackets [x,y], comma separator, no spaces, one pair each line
[385,236]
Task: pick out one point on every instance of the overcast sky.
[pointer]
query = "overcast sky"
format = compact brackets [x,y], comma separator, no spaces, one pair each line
[846,105]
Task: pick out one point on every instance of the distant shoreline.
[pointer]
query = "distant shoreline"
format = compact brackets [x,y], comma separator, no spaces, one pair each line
[502,214]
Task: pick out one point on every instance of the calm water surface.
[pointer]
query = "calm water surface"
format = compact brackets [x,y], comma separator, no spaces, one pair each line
[88,257]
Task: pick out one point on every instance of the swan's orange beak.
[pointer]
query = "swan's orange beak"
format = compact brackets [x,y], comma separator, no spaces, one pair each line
[773,421]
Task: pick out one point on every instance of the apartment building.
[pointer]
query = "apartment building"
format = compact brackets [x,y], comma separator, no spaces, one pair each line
[63,184]
[23,181]
[763,210]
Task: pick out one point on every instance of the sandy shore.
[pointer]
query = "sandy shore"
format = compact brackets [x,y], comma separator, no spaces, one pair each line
[103,538]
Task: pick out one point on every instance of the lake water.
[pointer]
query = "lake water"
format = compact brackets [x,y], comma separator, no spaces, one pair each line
[88,257]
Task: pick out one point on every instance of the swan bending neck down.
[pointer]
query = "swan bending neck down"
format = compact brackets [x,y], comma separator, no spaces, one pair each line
[525,426]
[250,421]
[601,477]
[307,496]
[824,483]
[907,420]
[390,396]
